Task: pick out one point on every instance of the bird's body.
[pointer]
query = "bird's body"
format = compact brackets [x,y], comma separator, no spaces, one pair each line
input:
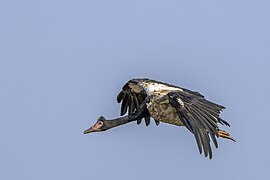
[158,105]
[160,109]
[145,98]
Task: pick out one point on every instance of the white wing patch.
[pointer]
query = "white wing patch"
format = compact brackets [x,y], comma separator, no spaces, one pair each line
[151,87]
[180,102]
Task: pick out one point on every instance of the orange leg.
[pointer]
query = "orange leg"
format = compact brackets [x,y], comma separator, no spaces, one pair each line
[224,134]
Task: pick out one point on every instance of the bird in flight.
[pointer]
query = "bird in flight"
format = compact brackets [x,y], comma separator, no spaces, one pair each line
[143,98]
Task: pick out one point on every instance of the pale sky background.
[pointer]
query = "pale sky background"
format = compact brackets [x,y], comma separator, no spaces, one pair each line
[63,62]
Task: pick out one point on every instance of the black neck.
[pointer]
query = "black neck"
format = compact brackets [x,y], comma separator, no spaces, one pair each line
[119,121]
[141,112]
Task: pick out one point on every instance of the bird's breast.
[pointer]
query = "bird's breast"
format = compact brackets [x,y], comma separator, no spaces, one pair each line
[161,110]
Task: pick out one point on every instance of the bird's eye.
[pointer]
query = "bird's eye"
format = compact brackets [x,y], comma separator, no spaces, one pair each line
[100,123]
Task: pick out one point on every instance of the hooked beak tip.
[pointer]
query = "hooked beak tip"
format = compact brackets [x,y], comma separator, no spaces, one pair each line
[88,131]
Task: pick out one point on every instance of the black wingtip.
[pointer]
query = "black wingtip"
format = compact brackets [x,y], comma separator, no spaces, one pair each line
[139,121]
[221,121]
[124,104]
[120,96]
[147,121]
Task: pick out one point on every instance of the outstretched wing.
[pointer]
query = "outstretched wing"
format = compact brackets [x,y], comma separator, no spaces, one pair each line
[200,116]
[131,97]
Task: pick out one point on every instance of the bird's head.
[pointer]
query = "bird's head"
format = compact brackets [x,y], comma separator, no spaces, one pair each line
[100,125]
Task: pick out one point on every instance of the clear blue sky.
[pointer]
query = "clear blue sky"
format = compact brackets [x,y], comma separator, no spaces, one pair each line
[62,63]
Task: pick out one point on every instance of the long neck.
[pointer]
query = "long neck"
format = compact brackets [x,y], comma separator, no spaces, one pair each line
[119,121]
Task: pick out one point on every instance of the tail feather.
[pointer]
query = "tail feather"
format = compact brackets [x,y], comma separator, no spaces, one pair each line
[225,134]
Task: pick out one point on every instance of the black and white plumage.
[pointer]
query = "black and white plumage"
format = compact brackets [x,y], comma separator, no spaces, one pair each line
[145,98]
